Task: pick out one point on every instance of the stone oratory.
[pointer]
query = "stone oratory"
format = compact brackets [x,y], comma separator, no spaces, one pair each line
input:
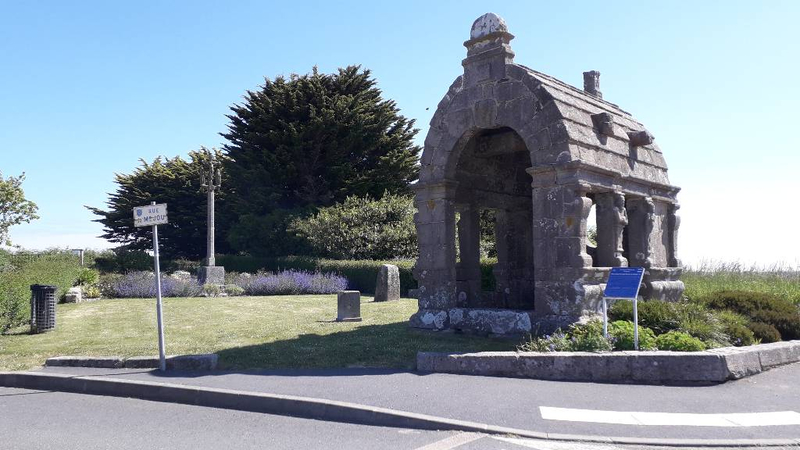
[542,155]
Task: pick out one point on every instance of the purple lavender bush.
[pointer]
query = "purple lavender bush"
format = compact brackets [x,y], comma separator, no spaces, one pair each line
[143,285]
[289,282]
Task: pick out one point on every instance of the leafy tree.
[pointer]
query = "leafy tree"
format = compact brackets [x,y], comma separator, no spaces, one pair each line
[362,228]
[14,207]
[175,182]
[311,141]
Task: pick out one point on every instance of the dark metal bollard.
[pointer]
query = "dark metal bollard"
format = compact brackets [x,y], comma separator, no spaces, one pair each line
[43,308]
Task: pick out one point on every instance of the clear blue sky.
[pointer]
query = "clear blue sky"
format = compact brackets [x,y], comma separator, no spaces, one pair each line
[88,88]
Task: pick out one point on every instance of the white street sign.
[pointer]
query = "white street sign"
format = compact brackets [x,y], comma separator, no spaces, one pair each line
[153,215]
[147,216]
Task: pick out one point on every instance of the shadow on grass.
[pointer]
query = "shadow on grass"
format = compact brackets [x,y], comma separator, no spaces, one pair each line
[365,350]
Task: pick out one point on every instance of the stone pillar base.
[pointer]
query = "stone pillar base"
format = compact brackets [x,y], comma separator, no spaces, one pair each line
[211,275]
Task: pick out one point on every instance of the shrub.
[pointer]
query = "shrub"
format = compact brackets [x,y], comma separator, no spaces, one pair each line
[290,282]
[764,332]
[87,277]
[662,317]
[362,228]
[91,291]
[556,342]
[735,326]
[211,290]
[121,260]
[589,337]
[143,285]
[233,290]
[659,316]
[680,342]
[53,267]
[760,307]
[361,275]
[622,333]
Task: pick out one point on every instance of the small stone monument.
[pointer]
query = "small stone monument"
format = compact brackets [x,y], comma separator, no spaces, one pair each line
[210,273]
[387,286]
[349,306]
[73,295]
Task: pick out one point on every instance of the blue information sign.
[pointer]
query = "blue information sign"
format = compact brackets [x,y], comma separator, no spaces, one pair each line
[623,282]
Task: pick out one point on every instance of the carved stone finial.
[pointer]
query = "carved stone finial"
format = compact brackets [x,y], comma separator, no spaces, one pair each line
[487,24]
[488,50]
[591,83]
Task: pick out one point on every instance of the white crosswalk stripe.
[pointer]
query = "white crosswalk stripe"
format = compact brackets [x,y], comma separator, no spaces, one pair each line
[761,419]
[554,445]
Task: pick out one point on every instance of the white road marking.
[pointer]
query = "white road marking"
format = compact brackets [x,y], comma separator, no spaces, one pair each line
[453,441]
[554,445]
[762,419]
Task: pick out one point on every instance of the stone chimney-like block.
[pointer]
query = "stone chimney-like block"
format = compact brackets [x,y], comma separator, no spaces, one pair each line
[591,83]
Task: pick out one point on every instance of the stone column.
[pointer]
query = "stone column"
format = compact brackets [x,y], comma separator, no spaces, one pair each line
[502,234]
[436,265]
[641,217]
[520,260]
[571,251]
[611,221]
[560,215]
[674,223]
[468,269]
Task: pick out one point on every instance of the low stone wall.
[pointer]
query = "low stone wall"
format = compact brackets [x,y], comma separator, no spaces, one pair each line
[181,362]
[646,367]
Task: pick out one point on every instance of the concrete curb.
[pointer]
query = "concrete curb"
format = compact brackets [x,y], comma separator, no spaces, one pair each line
[321,409]
[648,367]
[181,362]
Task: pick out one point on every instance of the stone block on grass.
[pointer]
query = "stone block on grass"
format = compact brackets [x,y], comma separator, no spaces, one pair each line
[349,306]
[387,285]
[73,295]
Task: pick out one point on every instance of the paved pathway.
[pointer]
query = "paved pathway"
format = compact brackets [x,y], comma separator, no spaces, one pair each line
[773,396]
[48,420]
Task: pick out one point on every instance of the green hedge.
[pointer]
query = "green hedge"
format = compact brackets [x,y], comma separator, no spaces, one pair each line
[762,308]
[360,274]
[59,269]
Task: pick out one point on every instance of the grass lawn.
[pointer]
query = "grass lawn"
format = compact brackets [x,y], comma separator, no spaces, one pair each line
[246,332]
[781,283]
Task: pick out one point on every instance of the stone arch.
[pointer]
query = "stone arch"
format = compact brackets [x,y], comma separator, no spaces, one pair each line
[542,152]
[466,110]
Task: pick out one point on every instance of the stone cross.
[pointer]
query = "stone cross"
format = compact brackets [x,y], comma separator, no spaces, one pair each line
[211,180]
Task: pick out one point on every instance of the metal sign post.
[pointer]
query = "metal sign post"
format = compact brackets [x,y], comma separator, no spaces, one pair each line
[154,215]
[623,284]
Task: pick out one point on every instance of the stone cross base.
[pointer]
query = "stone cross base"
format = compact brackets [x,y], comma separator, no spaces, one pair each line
[211,275]
[349,306]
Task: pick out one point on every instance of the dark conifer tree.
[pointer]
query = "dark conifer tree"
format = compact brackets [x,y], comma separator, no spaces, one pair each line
[175,182]
[311,141]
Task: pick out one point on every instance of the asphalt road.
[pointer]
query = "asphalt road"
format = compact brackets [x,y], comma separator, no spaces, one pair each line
[515,402]
[54,420]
